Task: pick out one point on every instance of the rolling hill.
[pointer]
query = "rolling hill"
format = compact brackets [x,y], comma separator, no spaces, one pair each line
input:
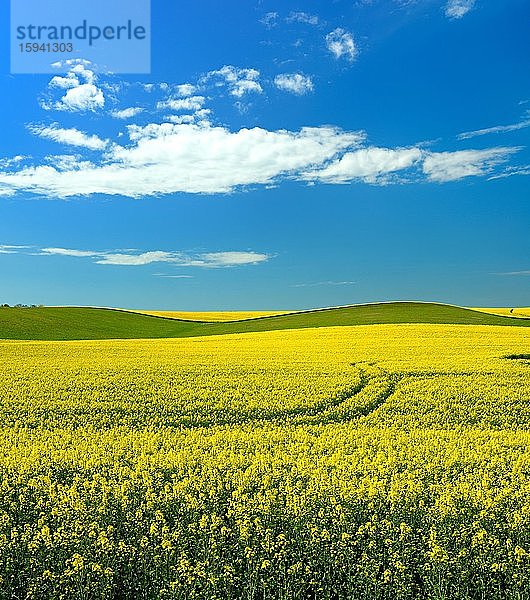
[80,323]
[521,312]
[213,316]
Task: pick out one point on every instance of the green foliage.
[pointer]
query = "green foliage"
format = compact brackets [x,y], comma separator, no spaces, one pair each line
[71,323]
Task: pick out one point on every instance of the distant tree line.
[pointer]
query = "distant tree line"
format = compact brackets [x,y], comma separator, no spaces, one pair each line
[21,306]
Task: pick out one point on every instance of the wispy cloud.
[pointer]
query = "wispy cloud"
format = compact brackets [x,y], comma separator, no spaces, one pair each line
[514,273]
[451,166]
[200,117]
[71,137]
[144,258]
[456,9]
[366,164]
[239,81]
[270,19]
[495,129]
[69,252]
[319,283]
[295,83]
[226,259]
[7,249]
[183,259]
[126,113]
[341,44]
[12,161]
[511,171]
[192,103]
[302,17]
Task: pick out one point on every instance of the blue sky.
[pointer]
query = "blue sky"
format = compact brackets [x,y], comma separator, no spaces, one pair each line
[279,155]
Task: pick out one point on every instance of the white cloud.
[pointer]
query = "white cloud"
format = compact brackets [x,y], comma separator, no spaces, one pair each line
[63,162]
[71,137]
[302,17]
[514,273]
[319,283]
[205,260]
[180,119]
[81,94]
[197,157]
[152,131]
[192,103]
[341,44]
[451,166]
[239,81]
[456,9]
[295,83]
[15,160]
[185,89]
[145,258]
[65,83]
[7,249]
[496,129]
[126,113]
[511,171]
[85,97]
[200,116]
[366,164]
[69,252]
[167,158]
[226,259]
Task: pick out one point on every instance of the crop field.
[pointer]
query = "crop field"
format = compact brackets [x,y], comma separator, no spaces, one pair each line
[213,316]
[227,316]
[80,323]
[521,312]
[372,461]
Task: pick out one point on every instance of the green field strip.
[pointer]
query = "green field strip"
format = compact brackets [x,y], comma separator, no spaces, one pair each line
[79,323]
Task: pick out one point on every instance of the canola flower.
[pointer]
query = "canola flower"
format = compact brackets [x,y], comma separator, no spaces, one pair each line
[386,461]
[213,316]
[521,312]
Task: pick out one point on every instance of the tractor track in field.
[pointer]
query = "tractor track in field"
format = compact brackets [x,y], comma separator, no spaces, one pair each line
[374,388]
[377,385]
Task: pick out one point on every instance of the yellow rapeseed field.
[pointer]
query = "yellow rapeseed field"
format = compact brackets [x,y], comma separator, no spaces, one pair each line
[382,461]
[212,316]
[507,312]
